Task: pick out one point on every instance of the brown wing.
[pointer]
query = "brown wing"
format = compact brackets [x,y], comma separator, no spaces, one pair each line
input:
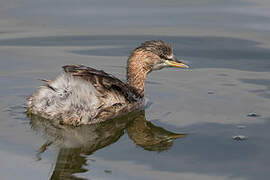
[102,81]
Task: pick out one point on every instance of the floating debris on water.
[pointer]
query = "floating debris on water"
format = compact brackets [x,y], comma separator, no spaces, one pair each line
[253,114]
[108,171]
[241,127]
[210,92]
[239,137]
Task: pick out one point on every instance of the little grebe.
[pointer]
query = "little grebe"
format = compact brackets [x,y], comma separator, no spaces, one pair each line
[83,95]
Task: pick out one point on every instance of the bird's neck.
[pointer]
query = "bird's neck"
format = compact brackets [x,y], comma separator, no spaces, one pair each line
[137,72]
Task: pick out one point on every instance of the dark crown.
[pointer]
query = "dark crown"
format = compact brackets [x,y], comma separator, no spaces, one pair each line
[157,47]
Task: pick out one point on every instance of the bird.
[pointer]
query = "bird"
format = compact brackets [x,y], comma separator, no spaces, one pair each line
[84,95]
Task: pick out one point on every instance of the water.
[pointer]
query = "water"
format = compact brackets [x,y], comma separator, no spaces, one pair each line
[187,129]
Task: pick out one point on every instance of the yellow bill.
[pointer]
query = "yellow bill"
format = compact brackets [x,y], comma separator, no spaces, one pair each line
[176,64]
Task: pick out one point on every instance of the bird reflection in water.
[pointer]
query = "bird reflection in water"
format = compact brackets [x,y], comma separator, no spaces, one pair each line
[76,143]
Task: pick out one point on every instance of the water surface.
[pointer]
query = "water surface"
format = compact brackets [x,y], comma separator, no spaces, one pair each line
[191,116]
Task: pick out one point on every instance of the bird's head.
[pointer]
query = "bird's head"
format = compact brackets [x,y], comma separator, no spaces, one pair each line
[155,55]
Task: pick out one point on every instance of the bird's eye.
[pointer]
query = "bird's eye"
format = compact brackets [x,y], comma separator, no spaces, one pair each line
[162,56]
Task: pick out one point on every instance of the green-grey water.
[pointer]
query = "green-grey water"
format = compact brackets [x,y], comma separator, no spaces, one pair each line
[191,117]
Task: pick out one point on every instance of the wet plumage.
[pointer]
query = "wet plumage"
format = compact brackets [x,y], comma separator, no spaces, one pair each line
[83,95]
